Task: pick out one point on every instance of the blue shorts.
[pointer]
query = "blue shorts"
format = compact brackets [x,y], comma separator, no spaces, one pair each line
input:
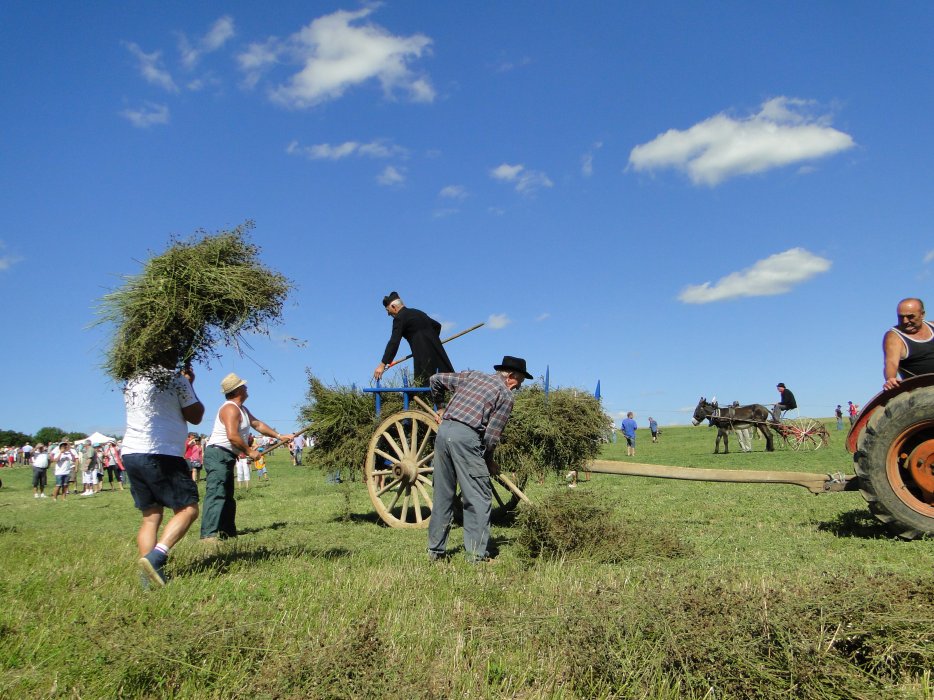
[631,441]
[62,479]
[160,480]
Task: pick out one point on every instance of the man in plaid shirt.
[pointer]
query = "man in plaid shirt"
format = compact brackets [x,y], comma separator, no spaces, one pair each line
[471,426]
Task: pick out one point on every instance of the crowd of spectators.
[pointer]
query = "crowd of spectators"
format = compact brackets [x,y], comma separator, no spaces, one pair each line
[84,468]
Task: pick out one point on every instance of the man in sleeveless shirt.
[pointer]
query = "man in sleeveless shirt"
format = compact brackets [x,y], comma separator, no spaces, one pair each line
[908,348]
[229,439]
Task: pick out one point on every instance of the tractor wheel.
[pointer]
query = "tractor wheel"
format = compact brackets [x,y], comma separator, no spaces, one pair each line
[895,463]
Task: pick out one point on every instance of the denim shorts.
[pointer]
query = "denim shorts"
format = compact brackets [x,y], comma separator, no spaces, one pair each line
[160,480]
[62,479]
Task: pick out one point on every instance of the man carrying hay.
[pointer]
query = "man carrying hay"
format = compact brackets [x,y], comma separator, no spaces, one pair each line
[424,336]
[158,411]
[229,439]
[471,426]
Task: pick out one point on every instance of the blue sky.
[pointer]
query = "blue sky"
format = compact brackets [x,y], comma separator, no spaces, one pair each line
[672,198]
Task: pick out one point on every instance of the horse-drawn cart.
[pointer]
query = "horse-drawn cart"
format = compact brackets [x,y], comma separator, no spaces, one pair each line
[892,444]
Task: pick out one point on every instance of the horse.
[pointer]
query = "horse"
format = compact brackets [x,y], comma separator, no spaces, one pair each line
[734,417]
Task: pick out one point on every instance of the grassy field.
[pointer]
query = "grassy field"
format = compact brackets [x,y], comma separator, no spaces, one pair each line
[710,591]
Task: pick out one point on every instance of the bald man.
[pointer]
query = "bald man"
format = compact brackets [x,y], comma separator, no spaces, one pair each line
[908,347]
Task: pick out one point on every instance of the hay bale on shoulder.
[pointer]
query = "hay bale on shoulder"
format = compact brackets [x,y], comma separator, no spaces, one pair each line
[201,292]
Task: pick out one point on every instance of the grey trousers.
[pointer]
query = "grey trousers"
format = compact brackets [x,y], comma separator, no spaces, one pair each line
[459,460]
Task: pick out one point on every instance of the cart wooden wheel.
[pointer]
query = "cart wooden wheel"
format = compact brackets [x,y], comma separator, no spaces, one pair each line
[398,468]
[895,463]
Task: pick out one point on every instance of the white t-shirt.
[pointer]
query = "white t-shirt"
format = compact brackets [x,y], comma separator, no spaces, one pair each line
[65,462]
[154,420]
[40,460]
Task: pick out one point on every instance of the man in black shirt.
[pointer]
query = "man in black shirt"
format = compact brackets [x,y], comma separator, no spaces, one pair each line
[786,402]
[424,336]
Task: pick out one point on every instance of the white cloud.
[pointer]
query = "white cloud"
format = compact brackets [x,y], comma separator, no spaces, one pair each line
[711,151]
[453,192]
[775,274]
[147,115]
[444,213]
[327,151]
[543,316]
[337,52]
[7,261]
[258,58]
[447,326]
[220,32]
[506,66]
[526,181]
[391,175]
[150,67]
[587,159]
[929,257]
[497,321]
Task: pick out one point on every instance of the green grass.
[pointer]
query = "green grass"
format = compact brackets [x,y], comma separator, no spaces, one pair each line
[717,591]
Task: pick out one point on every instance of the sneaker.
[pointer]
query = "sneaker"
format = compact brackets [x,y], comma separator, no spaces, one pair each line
[35,495]
[151,565]
[436,556]
[572,485]
[42,495]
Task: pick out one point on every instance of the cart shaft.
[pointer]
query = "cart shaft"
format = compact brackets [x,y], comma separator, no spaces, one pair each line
[815,483]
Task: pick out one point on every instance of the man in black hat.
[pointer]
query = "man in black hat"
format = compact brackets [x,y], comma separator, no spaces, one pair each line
[424,336]
[472,423]
[786,402]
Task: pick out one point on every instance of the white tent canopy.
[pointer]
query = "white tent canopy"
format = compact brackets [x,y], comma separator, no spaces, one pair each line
[97,438]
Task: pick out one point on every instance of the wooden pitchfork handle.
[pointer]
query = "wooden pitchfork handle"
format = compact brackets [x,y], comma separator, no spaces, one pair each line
[446,340]
[266,449]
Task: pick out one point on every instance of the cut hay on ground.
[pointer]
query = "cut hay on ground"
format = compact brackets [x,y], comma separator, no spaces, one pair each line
[200,293]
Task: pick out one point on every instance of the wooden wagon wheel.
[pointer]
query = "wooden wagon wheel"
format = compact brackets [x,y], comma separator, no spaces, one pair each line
[398,468]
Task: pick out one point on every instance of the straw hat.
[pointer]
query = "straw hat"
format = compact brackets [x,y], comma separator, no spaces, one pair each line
[230,383]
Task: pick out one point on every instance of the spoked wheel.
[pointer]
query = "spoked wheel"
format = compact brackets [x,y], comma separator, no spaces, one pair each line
[895,463]
[805,434]
[398,468]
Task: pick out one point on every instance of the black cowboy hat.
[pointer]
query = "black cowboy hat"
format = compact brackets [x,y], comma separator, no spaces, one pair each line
[389,298]
[513,364]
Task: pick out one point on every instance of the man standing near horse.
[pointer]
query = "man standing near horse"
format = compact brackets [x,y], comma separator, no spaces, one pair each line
[424,336]
[908,348]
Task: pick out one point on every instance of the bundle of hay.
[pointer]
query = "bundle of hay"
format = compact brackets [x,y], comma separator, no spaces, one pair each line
[201,292]
[587,525]
[342,421]
[559,432]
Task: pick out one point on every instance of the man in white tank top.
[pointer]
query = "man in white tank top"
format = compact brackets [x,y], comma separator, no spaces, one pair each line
[228,440]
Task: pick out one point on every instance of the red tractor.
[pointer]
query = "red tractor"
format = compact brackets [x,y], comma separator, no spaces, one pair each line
[892,443]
